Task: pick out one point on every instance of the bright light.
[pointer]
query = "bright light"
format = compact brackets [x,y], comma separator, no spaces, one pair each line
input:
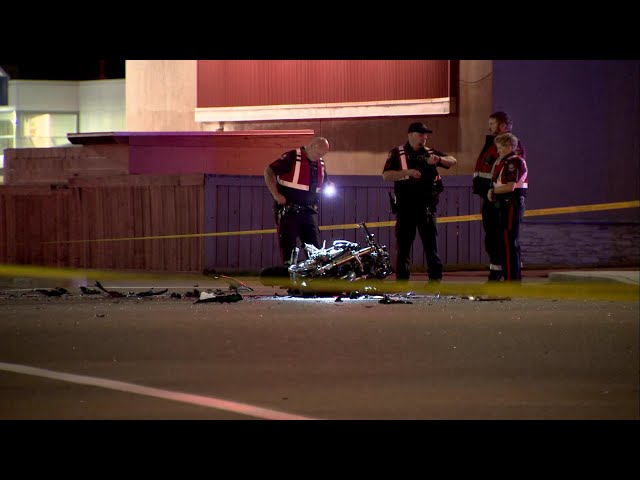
[329,190]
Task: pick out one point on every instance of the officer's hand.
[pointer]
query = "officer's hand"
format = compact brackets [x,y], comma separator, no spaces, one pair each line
[412,172]
[490,195]
[278,197]
[433,159]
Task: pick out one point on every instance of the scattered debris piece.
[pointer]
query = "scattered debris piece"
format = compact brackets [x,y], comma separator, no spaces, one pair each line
[234,283]
[386,299]
[484,298]
[206,297]
[111,293]
[89,291]
[150,293]
[56,292]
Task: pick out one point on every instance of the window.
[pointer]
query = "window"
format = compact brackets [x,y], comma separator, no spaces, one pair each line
[7,133]
[44,129]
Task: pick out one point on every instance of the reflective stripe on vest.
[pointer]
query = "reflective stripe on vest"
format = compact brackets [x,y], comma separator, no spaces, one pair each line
[403,164]
[482,175]
[295,181]
[522,183]
[403,161]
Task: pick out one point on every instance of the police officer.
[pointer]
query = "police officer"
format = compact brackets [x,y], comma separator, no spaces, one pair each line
[295,181]
[417,186]
[508,191]
[499,123]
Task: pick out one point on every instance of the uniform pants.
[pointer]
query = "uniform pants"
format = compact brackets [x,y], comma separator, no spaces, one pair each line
[511,214]
[297,224]
[493,243]
[406,224]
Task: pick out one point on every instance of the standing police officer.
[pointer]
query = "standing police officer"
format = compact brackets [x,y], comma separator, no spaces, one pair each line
[295,181]
[417,186]
[508,191]
[499,123]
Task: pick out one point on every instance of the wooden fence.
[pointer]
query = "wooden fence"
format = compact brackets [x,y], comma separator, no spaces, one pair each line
[37,222]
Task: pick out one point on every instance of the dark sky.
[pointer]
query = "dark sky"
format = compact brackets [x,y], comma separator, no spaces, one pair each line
[64,70]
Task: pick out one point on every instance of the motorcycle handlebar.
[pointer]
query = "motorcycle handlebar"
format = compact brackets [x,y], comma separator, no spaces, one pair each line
[370,236]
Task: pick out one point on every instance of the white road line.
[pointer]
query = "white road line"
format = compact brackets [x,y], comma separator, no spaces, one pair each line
[211,402]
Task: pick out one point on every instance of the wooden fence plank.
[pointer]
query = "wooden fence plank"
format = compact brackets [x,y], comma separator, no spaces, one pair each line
[222,225]
[157,228]
[233,212]
[256,245]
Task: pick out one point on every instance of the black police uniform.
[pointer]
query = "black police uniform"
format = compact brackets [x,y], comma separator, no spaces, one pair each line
[417,199]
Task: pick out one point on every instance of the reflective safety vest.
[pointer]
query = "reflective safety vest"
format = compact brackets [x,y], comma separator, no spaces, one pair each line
[299,177]
[403,164]
[486,161]
[508,165]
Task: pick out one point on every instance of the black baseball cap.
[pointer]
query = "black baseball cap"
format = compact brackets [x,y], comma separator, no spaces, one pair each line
[419,127]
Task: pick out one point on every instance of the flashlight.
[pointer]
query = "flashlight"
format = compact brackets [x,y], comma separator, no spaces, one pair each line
[329,190]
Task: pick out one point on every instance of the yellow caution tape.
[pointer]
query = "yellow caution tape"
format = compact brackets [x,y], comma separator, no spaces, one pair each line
[165,237]
[347,226]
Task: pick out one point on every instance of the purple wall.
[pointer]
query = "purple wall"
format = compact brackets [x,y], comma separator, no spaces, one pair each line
[580,123]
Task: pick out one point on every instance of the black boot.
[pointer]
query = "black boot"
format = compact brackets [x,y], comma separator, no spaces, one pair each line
[495,275]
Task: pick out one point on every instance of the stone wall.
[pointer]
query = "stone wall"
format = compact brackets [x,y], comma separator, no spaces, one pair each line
[576,244]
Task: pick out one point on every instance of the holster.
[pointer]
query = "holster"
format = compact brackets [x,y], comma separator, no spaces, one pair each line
[278,212]
[393,203]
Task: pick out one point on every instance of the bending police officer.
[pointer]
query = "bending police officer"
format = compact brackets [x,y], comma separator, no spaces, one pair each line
[295,181]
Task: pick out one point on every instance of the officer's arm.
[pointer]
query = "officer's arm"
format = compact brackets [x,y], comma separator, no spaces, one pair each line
[447,161]
[509,187]
[444,160]
[272,184]
[440,159]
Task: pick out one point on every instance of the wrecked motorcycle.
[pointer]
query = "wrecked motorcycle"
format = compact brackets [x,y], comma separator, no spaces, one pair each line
[343,260]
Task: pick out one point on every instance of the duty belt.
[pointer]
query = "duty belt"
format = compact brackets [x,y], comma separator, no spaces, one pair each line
[295,208]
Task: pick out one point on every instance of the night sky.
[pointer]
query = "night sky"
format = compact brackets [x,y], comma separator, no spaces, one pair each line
[64,70]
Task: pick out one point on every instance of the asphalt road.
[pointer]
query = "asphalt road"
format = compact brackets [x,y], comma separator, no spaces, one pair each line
[270,356]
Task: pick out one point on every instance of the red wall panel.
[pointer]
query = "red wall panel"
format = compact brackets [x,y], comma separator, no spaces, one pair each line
[227,83]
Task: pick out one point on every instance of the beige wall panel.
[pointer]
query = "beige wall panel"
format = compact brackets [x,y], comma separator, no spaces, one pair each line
[161,95]
[474,107]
